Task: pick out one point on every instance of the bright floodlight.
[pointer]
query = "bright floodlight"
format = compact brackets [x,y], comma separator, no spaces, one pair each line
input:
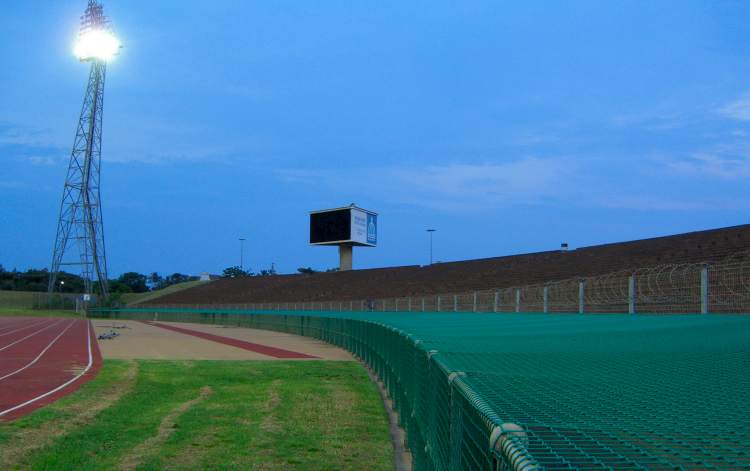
[97,44]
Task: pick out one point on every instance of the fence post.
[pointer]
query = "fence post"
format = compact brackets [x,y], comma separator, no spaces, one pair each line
[518,299]
[580,297]
[422,303]
[438,303]
[495,302]
[455,303]
[631,294]
[475,301]
[704,289]
[409,303]
[546,299]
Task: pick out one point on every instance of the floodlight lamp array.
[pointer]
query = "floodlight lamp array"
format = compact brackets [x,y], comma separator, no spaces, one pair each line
[96,41]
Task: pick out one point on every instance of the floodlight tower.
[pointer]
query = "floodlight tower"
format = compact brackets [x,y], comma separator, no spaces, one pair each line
[80,227]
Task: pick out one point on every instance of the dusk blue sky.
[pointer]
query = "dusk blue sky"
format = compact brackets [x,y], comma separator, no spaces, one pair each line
[507,126]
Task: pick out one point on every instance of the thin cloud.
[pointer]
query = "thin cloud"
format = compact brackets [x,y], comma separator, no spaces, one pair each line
[534,139]
[42,161]
[738,109]
[526,179]
[450,186]
[715,165]
[13,185]
[25,136]
[653,121]
[658,203]
[552,182]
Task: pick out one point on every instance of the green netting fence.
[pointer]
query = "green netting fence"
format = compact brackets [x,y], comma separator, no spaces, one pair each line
[532,391]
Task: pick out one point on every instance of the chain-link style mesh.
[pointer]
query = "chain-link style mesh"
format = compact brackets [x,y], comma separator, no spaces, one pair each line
[521,391]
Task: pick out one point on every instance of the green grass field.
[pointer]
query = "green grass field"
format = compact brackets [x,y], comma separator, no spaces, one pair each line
[19,299]
[137,298]
[208,415]
[36,300]
[29,300]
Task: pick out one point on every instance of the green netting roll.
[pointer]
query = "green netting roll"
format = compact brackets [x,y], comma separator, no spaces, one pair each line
[523,391]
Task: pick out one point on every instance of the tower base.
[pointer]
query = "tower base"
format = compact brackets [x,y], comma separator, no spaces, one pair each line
[345,257]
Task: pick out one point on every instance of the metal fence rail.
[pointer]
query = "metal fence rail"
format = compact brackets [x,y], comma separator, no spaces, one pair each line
[719,287]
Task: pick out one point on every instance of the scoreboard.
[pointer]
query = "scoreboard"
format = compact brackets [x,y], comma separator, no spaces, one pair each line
[344,226]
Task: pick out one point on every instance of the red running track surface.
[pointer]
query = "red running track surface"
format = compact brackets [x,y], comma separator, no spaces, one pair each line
[42,360]
[253,347]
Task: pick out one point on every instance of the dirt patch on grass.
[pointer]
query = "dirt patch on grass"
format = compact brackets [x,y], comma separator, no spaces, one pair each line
[344,400]
[75,415]
[152,445]
[270,423]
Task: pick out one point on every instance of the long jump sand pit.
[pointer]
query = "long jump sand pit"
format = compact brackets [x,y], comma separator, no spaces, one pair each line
[183,341]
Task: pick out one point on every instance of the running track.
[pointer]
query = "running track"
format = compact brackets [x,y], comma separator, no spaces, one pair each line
[42,360]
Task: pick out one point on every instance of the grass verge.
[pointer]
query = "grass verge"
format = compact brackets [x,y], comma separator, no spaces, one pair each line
[27,312]
[208,415]
[136,298]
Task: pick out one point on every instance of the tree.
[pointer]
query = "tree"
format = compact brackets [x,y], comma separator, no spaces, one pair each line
[67,282]
[136,281]
[234,272]
[155,281]
[116,286]
[306,270]
[270,272]
[175,278]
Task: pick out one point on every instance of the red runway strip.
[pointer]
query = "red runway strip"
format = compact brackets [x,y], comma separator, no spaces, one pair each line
[50,366]
[253,347]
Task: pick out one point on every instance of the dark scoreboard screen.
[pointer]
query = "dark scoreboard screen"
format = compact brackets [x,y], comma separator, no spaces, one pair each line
[330,226]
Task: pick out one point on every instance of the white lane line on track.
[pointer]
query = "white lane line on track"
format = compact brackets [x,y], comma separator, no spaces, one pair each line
[11,323]
[16,327]
[30,335]
[23,328]
[71,381]
[7,323]
[42,353]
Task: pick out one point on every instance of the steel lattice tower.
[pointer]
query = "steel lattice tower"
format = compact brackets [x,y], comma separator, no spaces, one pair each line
[80,228]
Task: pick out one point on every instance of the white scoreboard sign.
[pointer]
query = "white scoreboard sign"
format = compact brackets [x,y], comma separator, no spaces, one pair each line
[364,227]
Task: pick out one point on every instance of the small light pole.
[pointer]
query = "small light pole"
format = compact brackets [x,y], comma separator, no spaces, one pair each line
[242,253]
[62,285]
[431,231]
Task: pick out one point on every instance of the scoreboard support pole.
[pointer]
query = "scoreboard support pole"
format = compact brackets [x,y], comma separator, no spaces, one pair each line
[345,257]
